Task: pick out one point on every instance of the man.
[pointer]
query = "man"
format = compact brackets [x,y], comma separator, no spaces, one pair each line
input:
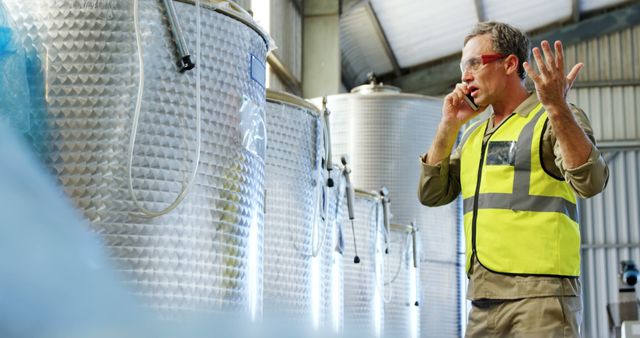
[519,172]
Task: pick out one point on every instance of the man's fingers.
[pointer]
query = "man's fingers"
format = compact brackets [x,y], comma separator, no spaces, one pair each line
[531,73]
[550,61]
[559,56]
[463,87]
[541,65]
[573,74]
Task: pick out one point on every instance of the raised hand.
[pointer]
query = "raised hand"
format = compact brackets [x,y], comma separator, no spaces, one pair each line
[551,83]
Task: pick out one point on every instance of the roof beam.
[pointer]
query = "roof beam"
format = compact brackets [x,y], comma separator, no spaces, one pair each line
[383,39]
[348,5]
[282,72]
[297,4]
[575,10]
[438,77]
[482,16]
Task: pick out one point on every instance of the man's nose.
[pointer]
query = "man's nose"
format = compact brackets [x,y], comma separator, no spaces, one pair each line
[467,76]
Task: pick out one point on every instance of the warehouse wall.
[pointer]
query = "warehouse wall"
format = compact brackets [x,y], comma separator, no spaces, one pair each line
[286,30]
[610,233]
[608,90]
[283,21]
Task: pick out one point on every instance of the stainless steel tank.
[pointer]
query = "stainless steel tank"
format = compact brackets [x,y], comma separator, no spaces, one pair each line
[440,270]
[363,282]
[295,217]
[206,254]
[384,131]
[401,286]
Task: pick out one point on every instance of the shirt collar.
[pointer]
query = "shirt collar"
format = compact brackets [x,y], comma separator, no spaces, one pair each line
[527,105]
[523,109]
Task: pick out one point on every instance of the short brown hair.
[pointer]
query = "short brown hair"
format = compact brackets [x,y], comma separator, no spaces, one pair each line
[506,40]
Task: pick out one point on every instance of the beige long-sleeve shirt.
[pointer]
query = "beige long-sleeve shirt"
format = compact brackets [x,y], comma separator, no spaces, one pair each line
[440,184]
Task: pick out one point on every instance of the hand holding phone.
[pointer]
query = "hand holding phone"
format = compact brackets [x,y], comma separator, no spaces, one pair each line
[469,100]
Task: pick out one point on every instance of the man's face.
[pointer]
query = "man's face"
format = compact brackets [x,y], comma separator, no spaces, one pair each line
[485,78]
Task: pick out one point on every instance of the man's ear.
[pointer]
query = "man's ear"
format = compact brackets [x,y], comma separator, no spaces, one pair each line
[511,64]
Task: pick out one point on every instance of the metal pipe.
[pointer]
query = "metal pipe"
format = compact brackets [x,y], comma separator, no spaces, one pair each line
[606,83]
[607,146]
[610,246]
[416,258]
[346,171]
[327,141]
[384,194]
[414,237]
[184,62]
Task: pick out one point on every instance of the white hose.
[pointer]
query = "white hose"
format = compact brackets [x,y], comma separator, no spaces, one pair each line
[136,117]
[405,245]
[316,251]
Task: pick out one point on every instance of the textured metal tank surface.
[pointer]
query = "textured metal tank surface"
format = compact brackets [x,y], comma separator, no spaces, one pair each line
[401,286]
[331,262]
[205,255]
[383,131]
[440,272]
[363,282]
[293,219]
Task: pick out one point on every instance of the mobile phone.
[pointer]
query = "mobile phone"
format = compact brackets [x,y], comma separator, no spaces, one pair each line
[469,100]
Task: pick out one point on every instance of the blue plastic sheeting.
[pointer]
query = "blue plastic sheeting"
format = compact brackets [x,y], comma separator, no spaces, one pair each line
[15,100]
[55,279]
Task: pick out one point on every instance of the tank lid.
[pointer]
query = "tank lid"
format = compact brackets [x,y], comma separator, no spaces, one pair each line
[286,98]
[374,87]
[233,10]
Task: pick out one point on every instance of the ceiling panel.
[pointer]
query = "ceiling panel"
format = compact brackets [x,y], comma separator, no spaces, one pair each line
[361,48]
[588,5]
[527,14]
[419,31]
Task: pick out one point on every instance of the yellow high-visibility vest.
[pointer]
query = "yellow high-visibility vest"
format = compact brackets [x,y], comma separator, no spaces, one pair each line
[518,218]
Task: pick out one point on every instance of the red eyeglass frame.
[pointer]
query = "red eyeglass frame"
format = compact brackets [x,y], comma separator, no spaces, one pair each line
[486,58]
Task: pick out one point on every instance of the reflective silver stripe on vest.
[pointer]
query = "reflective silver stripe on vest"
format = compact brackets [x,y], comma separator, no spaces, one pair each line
[473,128]
[522,167]
[532,203]
[520,200]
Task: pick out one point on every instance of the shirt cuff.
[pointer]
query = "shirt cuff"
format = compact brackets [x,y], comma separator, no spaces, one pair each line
[436,169]
[585,168]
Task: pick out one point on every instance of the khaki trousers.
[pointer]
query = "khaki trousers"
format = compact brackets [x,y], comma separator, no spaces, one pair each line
[528,317]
